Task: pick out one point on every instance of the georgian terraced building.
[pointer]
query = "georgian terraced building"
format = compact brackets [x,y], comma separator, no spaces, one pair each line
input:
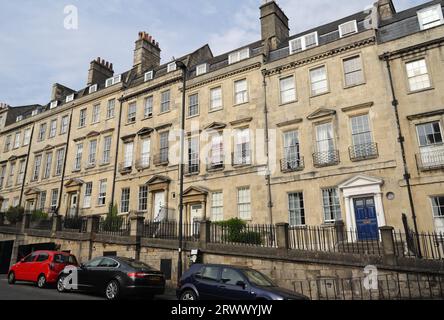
[341,122]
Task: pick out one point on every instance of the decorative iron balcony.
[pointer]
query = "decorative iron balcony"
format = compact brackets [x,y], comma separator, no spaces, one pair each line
[161,159]
[192,168]
[143,163]
[291,164]
[326,159]
[125,168]
[431,160]
[363,151]
[241,158]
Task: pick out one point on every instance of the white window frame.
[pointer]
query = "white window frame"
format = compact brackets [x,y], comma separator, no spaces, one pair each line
[214,107]
[19,118]
[34,112]
[201,69]
[341,26]
[241,93]
[87,195]
[78,157]
[113,80]
[131,114]
[148,107]
[128,153]
[60,158]
[53,128]
[64,125]
[143,198]
[27,137]
[92,154]
[107,143]
[127,193]
[148,76]
[70,98]
[238,55]
[417,75]
[433,24]
[171,67]
[242,203]
[92,88]
[303,41]
[17,138]
[217,206]
[53,104]
[110,108]
[327,87]
[82,118]
[101,199]
[95,117]
[281,91]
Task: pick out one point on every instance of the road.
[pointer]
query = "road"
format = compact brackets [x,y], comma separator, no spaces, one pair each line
[26,291]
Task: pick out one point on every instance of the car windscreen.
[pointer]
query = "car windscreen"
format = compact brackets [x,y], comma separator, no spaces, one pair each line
[257,278]
[136,264]
[65,258]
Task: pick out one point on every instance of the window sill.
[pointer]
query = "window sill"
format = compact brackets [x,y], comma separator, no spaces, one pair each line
[420,90]
[215,110]
[130,123]
[319,94]
[288,103]
[355,85]
[193,116]
[240,104]
[104,164]
[147,118]
[76,170]
[165,112]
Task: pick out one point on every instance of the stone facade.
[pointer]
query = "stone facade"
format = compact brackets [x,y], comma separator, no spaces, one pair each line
[322,130]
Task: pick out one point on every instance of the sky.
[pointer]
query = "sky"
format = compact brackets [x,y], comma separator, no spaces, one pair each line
[36,50]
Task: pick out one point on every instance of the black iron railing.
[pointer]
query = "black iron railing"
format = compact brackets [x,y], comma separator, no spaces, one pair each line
[391,286]
[425,245]
[431,160]
[262,235]
[291,164]
[325,159]
[118,226]
[169,230]
[75,223]
[192,168]
[363,151]
[333,239]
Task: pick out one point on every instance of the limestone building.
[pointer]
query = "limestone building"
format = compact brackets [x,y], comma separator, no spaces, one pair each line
[341,122]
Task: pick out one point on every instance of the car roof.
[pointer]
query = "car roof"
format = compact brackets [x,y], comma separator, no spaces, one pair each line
[225,266]
[50,252]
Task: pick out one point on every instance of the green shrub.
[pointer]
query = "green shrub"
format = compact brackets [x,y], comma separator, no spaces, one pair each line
[112,221]
[39,215]
[235,232]
[15,214]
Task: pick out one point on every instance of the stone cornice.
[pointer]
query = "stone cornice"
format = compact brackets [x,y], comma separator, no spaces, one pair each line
[321,56]
[289,123]
[241,121]
[358,106]
[439,112]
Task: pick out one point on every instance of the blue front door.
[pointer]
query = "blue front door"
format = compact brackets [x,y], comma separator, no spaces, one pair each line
[366,220]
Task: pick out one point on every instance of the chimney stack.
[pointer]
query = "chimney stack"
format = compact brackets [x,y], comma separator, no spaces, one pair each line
[386,9]
[146,54]
[59,91]
[274,24]
[99,71]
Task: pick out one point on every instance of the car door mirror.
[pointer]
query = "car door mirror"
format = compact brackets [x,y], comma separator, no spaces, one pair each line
[241,284]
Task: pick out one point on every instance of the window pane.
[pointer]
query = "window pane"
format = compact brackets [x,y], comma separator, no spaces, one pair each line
[296,209]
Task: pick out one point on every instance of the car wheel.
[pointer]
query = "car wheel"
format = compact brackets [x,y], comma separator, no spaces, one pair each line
[41,281]
[188,295]
[60,284]
[112,290]
[11,278]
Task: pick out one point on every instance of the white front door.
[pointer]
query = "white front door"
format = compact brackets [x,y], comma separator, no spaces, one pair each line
[73,205]
[196,213]
[159,203]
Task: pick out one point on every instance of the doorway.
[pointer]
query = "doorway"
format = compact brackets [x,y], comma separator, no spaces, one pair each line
[366,218]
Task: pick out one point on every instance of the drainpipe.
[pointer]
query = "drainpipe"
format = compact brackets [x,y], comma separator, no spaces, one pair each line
[22,190]
[401,139]
[267,151]
[59,202]
[117,150]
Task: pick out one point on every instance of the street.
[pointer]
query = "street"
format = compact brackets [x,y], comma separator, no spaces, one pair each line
[29,291]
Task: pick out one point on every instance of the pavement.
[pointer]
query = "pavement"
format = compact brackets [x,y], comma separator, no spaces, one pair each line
[29,291]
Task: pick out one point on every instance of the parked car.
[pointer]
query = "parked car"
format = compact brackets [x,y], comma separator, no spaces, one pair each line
[116,277]
[41,267]
[224,282]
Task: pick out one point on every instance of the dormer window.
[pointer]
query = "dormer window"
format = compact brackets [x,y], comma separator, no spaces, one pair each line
[348,28]
[303,43]
[70,98]
[239,55]
[112,81]
[19,118]
[93,89]
[201,69]
[53,104]
[34,112]
[149,76]
[171,67]
[430,17]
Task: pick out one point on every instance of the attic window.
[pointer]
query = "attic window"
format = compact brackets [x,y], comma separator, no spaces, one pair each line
[201,69]
[303,43]
[53,104]
[19,118]
[149,76]
[93,88]
[239,55]
[171,67]
[34,112]
[112,81]
[430,17]
[348,28]
[70,98]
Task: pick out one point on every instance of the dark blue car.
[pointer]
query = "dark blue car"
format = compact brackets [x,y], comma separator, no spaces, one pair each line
[223,282]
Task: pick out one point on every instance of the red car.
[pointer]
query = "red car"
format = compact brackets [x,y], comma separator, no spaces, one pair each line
[41,267]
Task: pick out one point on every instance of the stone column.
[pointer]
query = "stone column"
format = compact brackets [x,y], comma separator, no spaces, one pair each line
[136,226]
[92,224]
[388,245]
[282,236]
[25,222]
[205,233]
